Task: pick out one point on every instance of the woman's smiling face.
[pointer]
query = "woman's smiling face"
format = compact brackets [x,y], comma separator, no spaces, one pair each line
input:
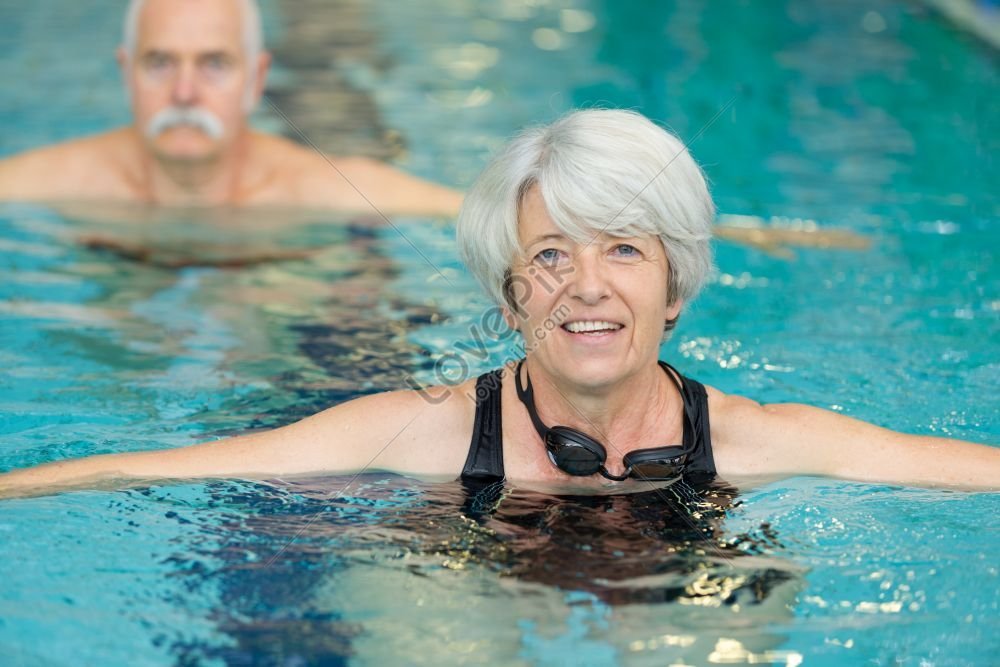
[591,313]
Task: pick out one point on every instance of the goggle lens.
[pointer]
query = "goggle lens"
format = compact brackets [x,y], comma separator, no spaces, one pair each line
[656,471]
[575,457]
[659,463]
[578,454]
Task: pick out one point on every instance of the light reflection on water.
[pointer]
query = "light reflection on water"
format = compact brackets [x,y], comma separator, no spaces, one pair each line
[384,568]
[312,570]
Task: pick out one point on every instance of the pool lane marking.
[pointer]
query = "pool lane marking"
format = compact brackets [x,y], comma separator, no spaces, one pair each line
[708,124]
[340,492]
[319,151]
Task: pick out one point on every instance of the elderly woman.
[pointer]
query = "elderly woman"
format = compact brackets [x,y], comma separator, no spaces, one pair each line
[592,234]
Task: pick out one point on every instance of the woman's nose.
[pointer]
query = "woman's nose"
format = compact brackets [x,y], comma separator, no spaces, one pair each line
[589,281]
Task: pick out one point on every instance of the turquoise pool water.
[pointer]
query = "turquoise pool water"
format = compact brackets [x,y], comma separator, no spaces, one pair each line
[874,117]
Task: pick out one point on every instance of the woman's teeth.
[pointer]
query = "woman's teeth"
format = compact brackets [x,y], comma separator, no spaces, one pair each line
[591,326]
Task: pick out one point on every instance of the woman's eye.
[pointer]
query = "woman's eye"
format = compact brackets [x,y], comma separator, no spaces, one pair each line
[549,256]
[626,250]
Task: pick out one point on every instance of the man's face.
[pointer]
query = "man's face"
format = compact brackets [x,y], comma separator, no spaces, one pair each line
[189,78]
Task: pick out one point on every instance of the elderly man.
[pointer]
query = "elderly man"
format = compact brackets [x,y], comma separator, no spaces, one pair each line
[194,69]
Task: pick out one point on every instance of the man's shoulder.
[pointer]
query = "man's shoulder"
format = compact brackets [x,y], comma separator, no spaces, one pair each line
[309,175]
[305,161]
[61,170]
[280,152]
[70,152]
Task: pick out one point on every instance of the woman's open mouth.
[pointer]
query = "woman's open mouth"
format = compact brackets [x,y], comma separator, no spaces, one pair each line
[592,327]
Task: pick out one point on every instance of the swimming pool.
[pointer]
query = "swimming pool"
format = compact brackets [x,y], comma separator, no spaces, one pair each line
[872,117]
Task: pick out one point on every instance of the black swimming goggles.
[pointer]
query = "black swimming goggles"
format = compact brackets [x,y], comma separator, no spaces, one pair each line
[578,454]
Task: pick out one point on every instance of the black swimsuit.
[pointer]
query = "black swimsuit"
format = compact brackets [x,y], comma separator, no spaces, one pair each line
[484,465]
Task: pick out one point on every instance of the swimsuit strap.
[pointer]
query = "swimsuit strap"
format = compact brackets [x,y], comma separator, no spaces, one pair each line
[484,463]
[697,439]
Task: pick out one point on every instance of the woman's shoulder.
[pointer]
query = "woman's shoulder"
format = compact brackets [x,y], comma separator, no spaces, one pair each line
[726,411]
[423,431]
[734,421]
[724,407]
[781,439]
[443,402]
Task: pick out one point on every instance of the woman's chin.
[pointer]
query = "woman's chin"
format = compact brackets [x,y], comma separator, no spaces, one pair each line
[592,371]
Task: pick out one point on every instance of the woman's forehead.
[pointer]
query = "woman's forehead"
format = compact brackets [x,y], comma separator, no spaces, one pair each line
[535,227]
[535,222]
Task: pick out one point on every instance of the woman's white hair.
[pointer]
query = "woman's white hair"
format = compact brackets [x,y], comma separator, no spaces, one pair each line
[253,33]
[598,170]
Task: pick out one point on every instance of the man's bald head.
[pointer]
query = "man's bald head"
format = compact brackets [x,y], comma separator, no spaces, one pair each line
[253,34]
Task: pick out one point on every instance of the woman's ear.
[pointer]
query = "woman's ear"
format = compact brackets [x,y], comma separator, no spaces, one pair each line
[674,310]
[509,318]
[512,306]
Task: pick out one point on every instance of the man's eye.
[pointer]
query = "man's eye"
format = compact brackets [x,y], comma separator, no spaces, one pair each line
[217,63]
[157,61]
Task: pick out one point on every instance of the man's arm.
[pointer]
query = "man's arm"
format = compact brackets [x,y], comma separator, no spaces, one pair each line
[21,176]
[778,242]
[392,432]
[791,439]
[369,186]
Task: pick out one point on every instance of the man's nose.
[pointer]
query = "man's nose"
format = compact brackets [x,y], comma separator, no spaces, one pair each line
[185,86]
[589,281]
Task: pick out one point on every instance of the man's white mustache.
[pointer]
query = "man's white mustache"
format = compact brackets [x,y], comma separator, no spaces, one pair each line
[201,119]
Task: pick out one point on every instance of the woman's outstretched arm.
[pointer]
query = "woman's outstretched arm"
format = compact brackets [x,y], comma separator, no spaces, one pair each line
[792,439]
[398,431]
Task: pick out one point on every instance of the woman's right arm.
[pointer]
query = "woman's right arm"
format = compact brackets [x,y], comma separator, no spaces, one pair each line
[397,431]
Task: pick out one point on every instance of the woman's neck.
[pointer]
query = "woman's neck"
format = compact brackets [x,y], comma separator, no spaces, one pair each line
[629,414]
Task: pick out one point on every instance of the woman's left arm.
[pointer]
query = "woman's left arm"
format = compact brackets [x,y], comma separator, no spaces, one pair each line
[792,439]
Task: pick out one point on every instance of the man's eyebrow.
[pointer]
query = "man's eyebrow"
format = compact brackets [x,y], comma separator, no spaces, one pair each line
[152,54]
[211,53]
[214,53]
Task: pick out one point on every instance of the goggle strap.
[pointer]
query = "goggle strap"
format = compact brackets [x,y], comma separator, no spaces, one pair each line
[527,396]
[688,404]
[615,478]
